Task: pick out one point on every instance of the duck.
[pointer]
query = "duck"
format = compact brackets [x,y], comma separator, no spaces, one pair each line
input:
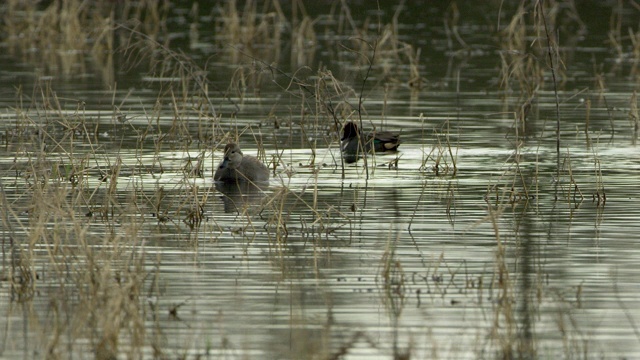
[354,142]
[237,167]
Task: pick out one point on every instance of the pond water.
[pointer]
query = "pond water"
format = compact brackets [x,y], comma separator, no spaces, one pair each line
[486,236]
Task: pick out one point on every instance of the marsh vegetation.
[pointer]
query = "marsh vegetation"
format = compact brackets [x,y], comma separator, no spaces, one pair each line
[504,227]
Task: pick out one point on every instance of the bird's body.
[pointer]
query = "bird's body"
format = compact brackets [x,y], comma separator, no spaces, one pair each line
[236,167]
[355,144]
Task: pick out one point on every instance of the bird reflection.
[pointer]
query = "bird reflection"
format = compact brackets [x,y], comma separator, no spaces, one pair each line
[237,196]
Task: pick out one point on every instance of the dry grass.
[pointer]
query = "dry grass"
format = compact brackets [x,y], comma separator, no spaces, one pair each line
[94,280]
[69,36]
[99,278]
[71,180]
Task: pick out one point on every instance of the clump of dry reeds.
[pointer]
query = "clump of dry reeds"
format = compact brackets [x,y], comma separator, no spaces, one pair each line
[102,277]
[94,280]
[70,186]
[442,157]
[67,34]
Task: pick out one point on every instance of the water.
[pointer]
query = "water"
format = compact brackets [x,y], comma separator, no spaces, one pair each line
[465,244]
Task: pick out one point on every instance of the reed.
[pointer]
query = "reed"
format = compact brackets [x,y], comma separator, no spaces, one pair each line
[303,37]
[251,30]
[92,286]
[441,159]
[71,36]
[73,185]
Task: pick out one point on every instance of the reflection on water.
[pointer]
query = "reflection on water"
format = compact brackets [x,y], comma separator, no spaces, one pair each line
[240,196]
[476,240]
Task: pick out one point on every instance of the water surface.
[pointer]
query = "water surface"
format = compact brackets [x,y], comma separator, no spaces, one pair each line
[476,240]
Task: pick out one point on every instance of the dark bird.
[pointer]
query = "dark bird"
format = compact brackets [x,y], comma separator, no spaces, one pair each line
[354,143]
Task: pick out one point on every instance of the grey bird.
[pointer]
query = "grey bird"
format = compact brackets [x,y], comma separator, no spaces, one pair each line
[236,167]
